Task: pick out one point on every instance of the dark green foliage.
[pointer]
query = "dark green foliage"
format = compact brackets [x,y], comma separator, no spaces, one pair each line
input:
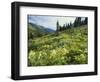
[64,27]
[77,22]
[86,21]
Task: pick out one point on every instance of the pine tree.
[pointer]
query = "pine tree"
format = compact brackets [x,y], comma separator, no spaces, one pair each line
[71,25]
[86,20]
[57,26]
[66,26]
[77,21]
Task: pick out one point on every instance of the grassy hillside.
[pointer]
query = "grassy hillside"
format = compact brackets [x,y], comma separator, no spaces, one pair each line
[65,47]
[35,30]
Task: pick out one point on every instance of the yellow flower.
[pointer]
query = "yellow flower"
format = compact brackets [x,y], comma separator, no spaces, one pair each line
[53,52]
[31,54]
[65,51]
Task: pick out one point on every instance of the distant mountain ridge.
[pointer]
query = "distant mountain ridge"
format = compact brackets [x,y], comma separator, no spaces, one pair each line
[41,28]
[35,30]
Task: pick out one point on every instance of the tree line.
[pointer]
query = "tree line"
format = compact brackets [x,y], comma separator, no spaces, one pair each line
[78,22]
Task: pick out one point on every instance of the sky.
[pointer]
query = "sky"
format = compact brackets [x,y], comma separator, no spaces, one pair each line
[50,21]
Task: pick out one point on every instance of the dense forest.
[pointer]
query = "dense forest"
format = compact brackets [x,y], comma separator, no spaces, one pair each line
[67,45]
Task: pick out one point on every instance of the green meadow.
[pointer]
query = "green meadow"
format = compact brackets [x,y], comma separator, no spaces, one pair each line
[67,47]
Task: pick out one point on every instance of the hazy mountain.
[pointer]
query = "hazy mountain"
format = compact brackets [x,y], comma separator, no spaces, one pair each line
[40,28]
[49,30]
[35,30]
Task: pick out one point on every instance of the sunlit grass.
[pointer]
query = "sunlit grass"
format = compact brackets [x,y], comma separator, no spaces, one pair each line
[68,47]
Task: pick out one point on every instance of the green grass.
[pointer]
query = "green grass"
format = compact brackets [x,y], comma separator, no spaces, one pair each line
[65,48]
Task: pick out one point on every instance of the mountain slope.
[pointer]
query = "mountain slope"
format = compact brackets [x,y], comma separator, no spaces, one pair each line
[68,47]
[35,30]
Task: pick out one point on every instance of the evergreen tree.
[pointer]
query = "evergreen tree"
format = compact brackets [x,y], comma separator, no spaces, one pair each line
[66,26]
[77,21]
[82,22]
[71,24]
[58,26]
[86,20]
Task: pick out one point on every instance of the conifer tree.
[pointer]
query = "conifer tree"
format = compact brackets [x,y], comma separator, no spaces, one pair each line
[86,20]
[66,26]
[77,21]
[71,25]
[57,26]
